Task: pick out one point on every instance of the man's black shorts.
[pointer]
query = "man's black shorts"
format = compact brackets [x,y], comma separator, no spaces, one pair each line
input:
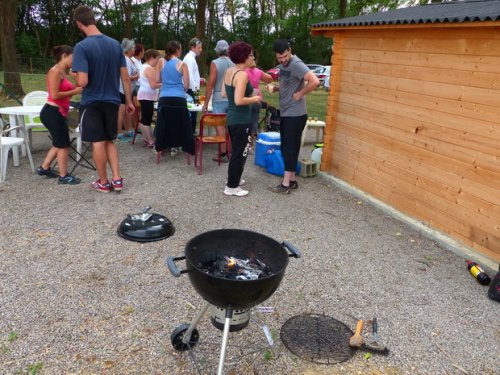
[98,121]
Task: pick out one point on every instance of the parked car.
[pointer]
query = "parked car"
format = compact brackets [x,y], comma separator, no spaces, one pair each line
[313,66]
[323,74]
[274,73]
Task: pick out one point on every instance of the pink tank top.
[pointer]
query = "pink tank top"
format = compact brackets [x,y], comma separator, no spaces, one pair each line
[254,76]
[63,104]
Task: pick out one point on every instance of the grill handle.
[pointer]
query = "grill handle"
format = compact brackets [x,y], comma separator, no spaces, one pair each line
[172,267]
[291,248]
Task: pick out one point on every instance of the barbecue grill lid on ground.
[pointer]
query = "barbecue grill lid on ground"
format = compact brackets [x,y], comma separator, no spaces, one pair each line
[146,227]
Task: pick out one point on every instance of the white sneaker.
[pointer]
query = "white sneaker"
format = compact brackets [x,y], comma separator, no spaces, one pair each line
[174,151]
[239,192]
[242,182]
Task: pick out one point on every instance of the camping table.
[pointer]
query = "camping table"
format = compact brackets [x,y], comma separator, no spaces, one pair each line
[16,118]
[317,125]
[191,107]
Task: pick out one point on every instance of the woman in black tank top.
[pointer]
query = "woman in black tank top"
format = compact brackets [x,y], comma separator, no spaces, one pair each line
[240,97]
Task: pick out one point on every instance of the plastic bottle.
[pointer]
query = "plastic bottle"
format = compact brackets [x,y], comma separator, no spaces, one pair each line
[478,273]
[316,155]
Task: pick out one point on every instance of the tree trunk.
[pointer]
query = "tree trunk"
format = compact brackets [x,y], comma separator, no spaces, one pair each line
[342,8]
[128,19]
[155,4]
[12,79]
[200,33]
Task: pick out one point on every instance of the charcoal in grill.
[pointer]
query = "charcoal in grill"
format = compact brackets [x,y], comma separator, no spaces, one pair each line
[243,269]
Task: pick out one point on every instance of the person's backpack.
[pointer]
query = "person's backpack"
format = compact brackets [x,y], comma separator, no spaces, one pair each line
[272,119]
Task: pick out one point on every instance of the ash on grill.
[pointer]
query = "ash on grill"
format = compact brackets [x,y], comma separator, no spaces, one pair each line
[236,269]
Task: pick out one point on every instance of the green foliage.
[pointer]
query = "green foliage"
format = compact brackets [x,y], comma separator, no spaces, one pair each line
[26,44]
[34,368]
[42,24]
[12,336]
[357,7]
[316,102]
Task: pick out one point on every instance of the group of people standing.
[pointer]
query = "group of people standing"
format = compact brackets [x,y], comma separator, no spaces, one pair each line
[234,86]
[103,70]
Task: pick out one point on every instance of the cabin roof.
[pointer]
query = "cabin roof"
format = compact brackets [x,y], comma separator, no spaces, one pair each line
[448,12]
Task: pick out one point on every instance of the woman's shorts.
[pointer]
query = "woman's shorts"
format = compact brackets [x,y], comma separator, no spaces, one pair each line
[57,125]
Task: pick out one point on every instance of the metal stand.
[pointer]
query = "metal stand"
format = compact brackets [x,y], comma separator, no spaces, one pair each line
[225,334]
[186,336]
[194,323]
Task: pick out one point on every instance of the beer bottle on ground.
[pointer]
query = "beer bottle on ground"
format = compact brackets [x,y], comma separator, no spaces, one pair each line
[478,273]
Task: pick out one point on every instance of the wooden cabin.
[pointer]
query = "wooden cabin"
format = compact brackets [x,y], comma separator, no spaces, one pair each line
[413,114]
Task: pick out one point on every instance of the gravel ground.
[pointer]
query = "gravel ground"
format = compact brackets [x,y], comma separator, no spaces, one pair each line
[76,298]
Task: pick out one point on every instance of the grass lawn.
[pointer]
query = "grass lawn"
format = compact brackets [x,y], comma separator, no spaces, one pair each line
[316,101]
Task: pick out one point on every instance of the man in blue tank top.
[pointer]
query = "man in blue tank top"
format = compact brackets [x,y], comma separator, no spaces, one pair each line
[99,64]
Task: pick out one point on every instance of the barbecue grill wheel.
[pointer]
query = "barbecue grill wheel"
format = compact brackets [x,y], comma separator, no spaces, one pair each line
[178,334]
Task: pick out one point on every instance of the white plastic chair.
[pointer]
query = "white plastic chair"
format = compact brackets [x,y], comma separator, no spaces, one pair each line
[6,143]
[34,98]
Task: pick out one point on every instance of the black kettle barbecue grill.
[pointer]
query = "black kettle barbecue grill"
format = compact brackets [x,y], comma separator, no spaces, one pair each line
[234,296]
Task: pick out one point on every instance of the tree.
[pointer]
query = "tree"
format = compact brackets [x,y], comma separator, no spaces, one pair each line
[126,9]
[201,8]
[342,8]
[12,79]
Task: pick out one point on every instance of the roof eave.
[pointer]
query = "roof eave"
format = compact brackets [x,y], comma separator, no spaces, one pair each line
[322,30]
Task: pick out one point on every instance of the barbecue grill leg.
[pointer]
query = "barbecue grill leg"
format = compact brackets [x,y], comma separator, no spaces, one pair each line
[225,334]
[194,323]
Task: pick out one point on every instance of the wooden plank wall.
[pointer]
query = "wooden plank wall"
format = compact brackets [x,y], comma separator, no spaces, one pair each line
[413,119]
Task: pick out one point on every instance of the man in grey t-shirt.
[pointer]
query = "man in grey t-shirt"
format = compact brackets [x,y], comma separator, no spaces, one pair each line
[295,82]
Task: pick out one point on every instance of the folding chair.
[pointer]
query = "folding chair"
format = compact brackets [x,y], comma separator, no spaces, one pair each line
[81,152]
[272,119]
[82,149]
[262,122]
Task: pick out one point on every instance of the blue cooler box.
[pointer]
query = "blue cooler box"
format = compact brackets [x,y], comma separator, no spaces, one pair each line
[266,142]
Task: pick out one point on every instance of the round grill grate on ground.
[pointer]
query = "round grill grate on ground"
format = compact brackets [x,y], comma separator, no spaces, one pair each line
[317,338]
